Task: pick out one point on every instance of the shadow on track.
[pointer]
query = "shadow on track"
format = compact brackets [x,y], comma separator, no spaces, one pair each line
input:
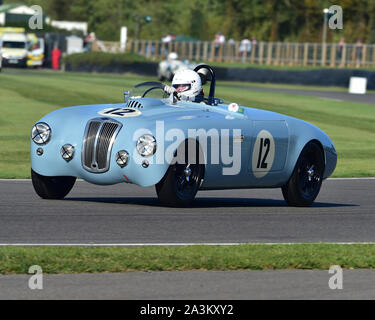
[211,202]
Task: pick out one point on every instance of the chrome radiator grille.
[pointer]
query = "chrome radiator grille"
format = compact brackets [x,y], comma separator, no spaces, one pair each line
[100,135]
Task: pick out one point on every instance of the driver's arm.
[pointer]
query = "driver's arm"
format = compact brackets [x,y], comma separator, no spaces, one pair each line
[169,89]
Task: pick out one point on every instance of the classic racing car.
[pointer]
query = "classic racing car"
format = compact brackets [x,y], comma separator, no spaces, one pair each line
[180,147]
[168,68]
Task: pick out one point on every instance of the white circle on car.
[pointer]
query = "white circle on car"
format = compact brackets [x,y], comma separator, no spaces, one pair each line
[263,154]
[120,112]
[233,107]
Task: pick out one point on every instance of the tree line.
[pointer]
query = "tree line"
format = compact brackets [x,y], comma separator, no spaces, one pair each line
[267,20]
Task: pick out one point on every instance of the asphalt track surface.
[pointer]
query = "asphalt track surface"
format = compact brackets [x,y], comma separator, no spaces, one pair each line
[126,214]
[189,285]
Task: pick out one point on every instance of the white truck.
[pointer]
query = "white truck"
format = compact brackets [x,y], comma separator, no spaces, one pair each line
[14,49]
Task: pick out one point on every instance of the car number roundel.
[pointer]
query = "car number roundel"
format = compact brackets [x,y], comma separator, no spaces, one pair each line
[263,153]
[120,112]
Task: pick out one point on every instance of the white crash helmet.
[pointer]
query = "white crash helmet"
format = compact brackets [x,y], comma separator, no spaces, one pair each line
[172,56]
[187,83]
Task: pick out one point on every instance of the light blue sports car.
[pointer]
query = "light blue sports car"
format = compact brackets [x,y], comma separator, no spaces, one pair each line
[180,147]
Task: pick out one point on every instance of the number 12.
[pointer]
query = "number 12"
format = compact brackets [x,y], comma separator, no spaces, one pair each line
[262,162]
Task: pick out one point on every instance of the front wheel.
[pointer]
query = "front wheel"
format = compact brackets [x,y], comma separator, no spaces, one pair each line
[304,185]
[52,187]
[181,182]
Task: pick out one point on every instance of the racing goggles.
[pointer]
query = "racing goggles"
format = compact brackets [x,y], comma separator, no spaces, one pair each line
[182,87]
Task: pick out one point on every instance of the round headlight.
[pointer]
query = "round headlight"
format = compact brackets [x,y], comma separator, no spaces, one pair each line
[41,133]
[67,152]
[146,145]
[122,158]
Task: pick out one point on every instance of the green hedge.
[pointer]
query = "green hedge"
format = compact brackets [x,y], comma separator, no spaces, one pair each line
[102,59]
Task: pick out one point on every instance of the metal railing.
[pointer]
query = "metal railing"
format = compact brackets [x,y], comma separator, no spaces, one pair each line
[263,53]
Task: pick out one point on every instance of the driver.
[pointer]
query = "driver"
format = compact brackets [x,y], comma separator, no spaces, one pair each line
[188,86]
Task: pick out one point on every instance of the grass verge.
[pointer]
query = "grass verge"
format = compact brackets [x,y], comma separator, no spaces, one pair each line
[53,260]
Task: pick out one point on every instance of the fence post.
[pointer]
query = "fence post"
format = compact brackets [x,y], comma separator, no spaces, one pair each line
[156,52]
[169,46]
[190,50]
[253,50]
[277,59]
[236,49]
[205,51]
[282,54]
[315,53]
[324,52]
[198,51]
[343,56]
[183,50]
[244,54]
[261,48]
[305,53]
[269,53]
[333,55]
[143,47]
[296,54]
[219,58]
[287,54]
[354,49]
[149,49]
[364,55]
[212,51]
[129,46]
[162,50]
[137,46]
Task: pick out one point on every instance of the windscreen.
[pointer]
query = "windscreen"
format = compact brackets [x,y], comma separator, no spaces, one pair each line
[149,90]
[14,44]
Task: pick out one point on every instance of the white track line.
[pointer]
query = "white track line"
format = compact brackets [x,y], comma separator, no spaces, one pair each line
[167,244]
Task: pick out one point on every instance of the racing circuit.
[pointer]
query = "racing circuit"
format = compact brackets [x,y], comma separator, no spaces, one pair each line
[125,214]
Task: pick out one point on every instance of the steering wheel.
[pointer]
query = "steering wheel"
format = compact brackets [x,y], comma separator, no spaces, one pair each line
[150,89]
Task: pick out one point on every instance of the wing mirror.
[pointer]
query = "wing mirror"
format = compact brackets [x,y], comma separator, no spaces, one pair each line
[126,96]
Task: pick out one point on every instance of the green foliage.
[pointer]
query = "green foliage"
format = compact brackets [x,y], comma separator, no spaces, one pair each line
[102,59]
[268,20]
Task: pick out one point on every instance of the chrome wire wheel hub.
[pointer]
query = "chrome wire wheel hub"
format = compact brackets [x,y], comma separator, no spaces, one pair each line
[187,179]
[310,178]
[187,173]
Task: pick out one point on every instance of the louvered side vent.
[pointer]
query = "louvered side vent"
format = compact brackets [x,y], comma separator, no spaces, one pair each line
[100,135]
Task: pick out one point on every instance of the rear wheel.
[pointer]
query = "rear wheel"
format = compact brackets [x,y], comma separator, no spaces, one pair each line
[304,185]
[181,182]
[52,187]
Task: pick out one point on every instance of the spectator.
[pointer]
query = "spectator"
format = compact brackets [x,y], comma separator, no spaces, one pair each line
[254,40]
[358,52]
[88,41]
[219,40]
[340,48]
[245,47]
[167,38]
[56,55]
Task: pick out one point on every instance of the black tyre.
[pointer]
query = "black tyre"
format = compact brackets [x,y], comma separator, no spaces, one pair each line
[52,187]
[304,185]
[181,182]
